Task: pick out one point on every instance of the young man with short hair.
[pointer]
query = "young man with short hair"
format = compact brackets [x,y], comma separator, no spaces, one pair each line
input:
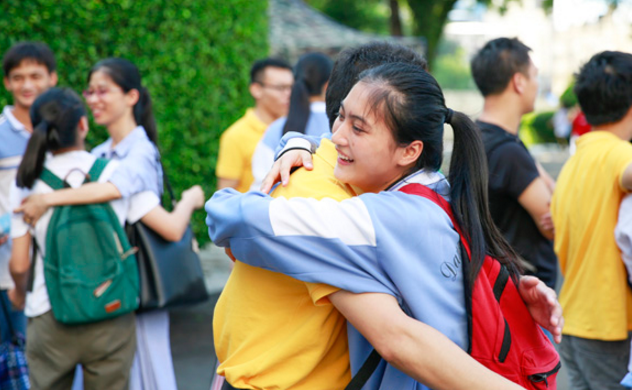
[270,85]
[595,297]
[519,189]
[29,70]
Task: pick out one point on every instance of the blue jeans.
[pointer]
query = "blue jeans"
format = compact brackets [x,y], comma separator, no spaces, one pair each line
[17,318]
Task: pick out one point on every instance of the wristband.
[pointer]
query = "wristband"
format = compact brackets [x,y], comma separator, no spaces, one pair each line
[293,148]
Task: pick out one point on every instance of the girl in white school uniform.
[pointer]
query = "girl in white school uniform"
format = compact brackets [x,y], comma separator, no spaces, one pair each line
[119,102]
[106,348]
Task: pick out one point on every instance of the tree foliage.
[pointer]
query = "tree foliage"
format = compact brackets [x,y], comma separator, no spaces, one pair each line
[194,57]
[365,15]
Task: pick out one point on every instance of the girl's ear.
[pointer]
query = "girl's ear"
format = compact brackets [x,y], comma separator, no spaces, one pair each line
[132,97]
[83,127]
[411,153]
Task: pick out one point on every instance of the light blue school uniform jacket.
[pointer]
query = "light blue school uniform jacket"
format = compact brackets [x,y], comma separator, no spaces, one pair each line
[394,243]
[139,168]
[263,156]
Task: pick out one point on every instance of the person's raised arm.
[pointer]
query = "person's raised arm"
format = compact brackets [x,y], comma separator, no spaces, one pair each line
[413,347]
[294,150]
[172,225]
[282,168]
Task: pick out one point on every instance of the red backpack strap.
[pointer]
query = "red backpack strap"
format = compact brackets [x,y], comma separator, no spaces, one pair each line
[426,192]
[422,190]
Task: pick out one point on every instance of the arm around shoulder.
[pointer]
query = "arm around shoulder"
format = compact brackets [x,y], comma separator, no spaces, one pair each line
[35,206]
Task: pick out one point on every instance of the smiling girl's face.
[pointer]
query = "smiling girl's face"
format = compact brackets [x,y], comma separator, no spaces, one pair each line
[368,156]
[107,101]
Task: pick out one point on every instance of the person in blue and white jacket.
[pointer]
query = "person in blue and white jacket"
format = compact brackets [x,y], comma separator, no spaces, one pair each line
[306,114]
[383,246]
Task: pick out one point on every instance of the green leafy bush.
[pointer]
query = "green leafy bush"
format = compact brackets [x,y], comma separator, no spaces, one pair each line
[568,98]
[537,128]
[194,56]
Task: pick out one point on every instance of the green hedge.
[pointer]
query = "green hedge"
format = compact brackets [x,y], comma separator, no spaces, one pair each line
[194,55]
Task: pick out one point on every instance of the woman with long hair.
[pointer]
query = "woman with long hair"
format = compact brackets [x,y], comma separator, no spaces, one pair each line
[306,114]
[105,348]
[120,102]
[385,249]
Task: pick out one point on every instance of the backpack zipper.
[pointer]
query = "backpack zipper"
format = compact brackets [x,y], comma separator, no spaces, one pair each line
[543,377]
[124,254]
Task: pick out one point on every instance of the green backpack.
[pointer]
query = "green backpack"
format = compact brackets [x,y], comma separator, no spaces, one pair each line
[89,266]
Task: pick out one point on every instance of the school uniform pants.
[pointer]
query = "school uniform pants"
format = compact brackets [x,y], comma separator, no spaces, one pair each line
[595,364]
[105,349]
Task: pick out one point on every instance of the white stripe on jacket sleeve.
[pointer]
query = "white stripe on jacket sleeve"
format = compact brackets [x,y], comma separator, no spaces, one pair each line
[348,220]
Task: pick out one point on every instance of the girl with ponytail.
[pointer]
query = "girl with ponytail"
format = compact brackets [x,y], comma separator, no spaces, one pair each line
[306,114]
[120,102]
[395,256]
[57,144]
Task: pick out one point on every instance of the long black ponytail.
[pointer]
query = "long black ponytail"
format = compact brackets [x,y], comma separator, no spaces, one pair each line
[55,116]
[468,177]
[311,73]
[414,109]
[127,76]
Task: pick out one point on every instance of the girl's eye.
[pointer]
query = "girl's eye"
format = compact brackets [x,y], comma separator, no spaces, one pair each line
[357,129]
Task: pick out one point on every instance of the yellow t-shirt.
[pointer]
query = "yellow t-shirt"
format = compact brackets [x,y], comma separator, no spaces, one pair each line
[595,297]
[275,332]
[236,147]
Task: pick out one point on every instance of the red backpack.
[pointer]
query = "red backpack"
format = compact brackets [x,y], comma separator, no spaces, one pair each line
[501,332]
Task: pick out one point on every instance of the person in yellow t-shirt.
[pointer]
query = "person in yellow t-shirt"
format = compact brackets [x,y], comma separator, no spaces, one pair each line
[270,85]
[595,297]
[264,318]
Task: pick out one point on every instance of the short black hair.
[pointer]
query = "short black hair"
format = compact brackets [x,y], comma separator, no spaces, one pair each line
[34,51]
[604,87]
[353,61]
[260,66]
[497,62]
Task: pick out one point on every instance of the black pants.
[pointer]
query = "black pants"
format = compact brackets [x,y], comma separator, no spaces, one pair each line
[227,386]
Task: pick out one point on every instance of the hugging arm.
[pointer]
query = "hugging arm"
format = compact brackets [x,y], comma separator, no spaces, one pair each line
[265,233]
[36,205]
[418,350]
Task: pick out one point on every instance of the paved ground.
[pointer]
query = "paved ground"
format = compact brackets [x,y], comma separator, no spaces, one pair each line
[191,328]
[192,331]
